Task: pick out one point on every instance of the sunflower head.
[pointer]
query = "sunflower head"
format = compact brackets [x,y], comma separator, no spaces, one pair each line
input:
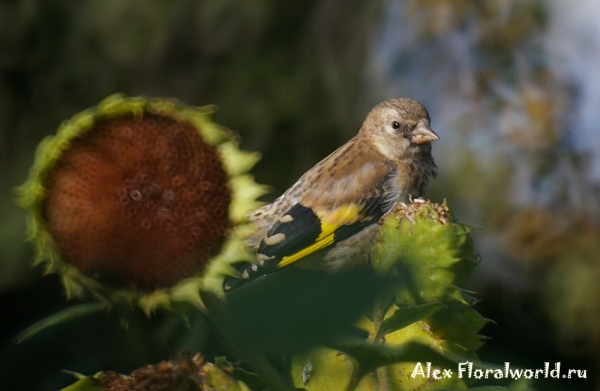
[135,197]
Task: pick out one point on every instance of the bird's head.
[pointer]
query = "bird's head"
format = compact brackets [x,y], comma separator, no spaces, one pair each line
[399,128]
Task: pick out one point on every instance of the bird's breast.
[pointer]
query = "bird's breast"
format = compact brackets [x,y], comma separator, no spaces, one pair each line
[403,180]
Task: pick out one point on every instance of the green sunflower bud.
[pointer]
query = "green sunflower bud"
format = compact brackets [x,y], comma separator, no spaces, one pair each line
[425,319]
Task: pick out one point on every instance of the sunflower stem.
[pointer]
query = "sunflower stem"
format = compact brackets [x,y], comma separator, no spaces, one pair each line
[67,314]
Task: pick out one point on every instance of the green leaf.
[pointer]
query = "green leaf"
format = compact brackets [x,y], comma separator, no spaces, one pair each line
[249,378]
[85,383]
[289,312]
[218,379]
[323,369]
[458,326]
[407,315]
[518,385]
[295,309]
[371,356]
[355,364]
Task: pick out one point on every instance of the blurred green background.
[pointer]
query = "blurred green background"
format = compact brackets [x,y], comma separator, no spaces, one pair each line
[512,86]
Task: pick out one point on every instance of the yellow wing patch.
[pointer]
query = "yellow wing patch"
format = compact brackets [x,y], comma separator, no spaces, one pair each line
[331,220]
[342,215]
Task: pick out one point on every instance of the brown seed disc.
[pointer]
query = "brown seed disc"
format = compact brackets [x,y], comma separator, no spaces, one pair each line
[141,199]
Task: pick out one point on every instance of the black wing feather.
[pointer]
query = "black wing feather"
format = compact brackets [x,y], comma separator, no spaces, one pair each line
[299,233]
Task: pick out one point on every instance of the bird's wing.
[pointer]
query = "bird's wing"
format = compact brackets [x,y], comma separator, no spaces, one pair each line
[320,219]
[303,231]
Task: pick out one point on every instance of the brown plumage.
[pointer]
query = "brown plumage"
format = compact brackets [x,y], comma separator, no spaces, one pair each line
[336,203]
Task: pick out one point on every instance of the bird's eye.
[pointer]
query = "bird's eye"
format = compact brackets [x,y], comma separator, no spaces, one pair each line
[396,125]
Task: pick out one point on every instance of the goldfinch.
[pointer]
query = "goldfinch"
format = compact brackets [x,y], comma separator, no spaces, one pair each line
[335,206]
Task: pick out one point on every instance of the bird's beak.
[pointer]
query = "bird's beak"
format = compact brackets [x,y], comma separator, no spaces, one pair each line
[423,134]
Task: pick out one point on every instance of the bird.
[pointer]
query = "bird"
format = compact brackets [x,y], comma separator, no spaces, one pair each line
[330,214]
